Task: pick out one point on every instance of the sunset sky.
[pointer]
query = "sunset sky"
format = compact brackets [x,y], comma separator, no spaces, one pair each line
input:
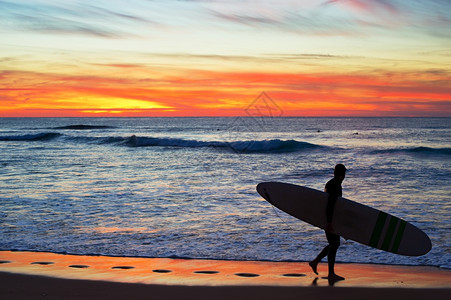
[215,57]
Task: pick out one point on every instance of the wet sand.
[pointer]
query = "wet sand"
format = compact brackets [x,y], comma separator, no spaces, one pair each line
[35,275]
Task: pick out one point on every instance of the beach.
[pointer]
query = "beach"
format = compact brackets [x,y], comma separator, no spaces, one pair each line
[43,275]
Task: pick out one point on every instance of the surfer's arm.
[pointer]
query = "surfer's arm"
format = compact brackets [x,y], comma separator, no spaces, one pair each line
[330,212]
[331,189]
[332,199]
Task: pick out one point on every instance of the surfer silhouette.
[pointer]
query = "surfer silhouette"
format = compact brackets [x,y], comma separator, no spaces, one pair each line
[333,188]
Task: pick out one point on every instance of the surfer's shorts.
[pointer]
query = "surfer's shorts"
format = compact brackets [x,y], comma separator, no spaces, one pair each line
[333,239]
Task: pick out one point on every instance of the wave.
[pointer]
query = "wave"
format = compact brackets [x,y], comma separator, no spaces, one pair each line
[417,150]
[250,146]
[83,127]
[273,146]
[245,146]
[44,136]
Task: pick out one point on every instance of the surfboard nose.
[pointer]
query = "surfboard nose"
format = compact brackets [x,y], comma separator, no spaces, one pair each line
[425,246]
[263,192]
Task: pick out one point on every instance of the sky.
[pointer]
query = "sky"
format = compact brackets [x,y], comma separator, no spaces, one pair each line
[92,58]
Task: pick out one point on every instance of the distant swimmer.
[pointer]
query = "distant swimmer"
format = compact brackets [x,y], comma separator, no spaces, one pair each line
[334,189]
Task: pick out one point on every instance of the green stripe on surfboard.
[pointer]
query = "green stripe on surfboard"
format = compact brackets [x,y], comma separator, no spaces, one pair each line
[389,234]
[377,231]
[394,232]
[398,237]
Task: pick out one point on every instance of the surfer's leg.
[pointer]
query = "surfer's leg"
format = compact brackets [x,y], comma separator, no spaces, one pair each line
[314,263]
[334,243]
[331,258]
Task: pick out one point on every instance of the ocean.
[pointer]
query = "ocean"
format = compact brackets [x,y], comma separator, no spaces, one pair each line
[185,187]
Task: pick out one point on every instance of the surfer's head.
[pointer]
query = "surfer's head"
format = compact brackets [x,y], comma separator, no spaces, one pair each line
[340,171]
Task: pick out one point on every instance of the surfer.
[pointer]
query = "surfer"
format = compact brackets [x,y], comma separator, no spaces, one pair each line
[333,188]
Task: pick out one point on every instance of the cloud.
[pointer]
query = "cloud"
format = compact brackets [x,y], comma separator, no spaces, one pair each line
[77,17]
[367,6]
[430,17]
[122,65]
[337,17]
[126,19]
[197,92]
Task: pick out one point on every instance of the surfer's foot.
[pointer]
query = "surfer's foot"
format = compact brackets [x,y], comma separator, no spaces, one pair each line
[314,264]
[334,278]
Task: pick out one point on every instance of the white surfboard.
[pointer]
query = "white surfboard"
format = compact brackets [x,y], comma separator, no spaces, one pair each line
[351,220]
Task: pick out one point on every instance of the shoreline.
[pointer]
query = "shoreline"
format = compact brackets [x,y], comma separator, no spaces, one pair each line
[177,271]
[33,275]
[221,259]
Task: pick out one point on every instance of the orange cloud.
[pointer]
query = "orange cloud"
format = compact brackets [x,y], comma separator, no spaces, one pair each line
[208,93]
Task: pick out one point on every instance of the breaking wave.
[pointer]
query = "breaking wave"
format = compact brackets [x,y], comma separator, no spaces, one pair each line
[245,146]
[83,127]
[417,150]
[44,136]
[250,146]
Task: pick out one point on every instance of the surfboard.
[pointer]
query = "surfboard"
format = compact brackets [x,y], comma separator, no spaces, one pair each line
[351,220]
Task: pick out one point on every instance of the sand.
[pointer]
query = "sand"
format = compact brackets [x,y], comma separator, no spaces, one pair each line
[37,275]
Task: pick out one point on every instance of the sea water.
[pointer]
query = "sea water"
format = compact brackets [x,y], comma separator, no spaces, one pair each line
[185,187]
